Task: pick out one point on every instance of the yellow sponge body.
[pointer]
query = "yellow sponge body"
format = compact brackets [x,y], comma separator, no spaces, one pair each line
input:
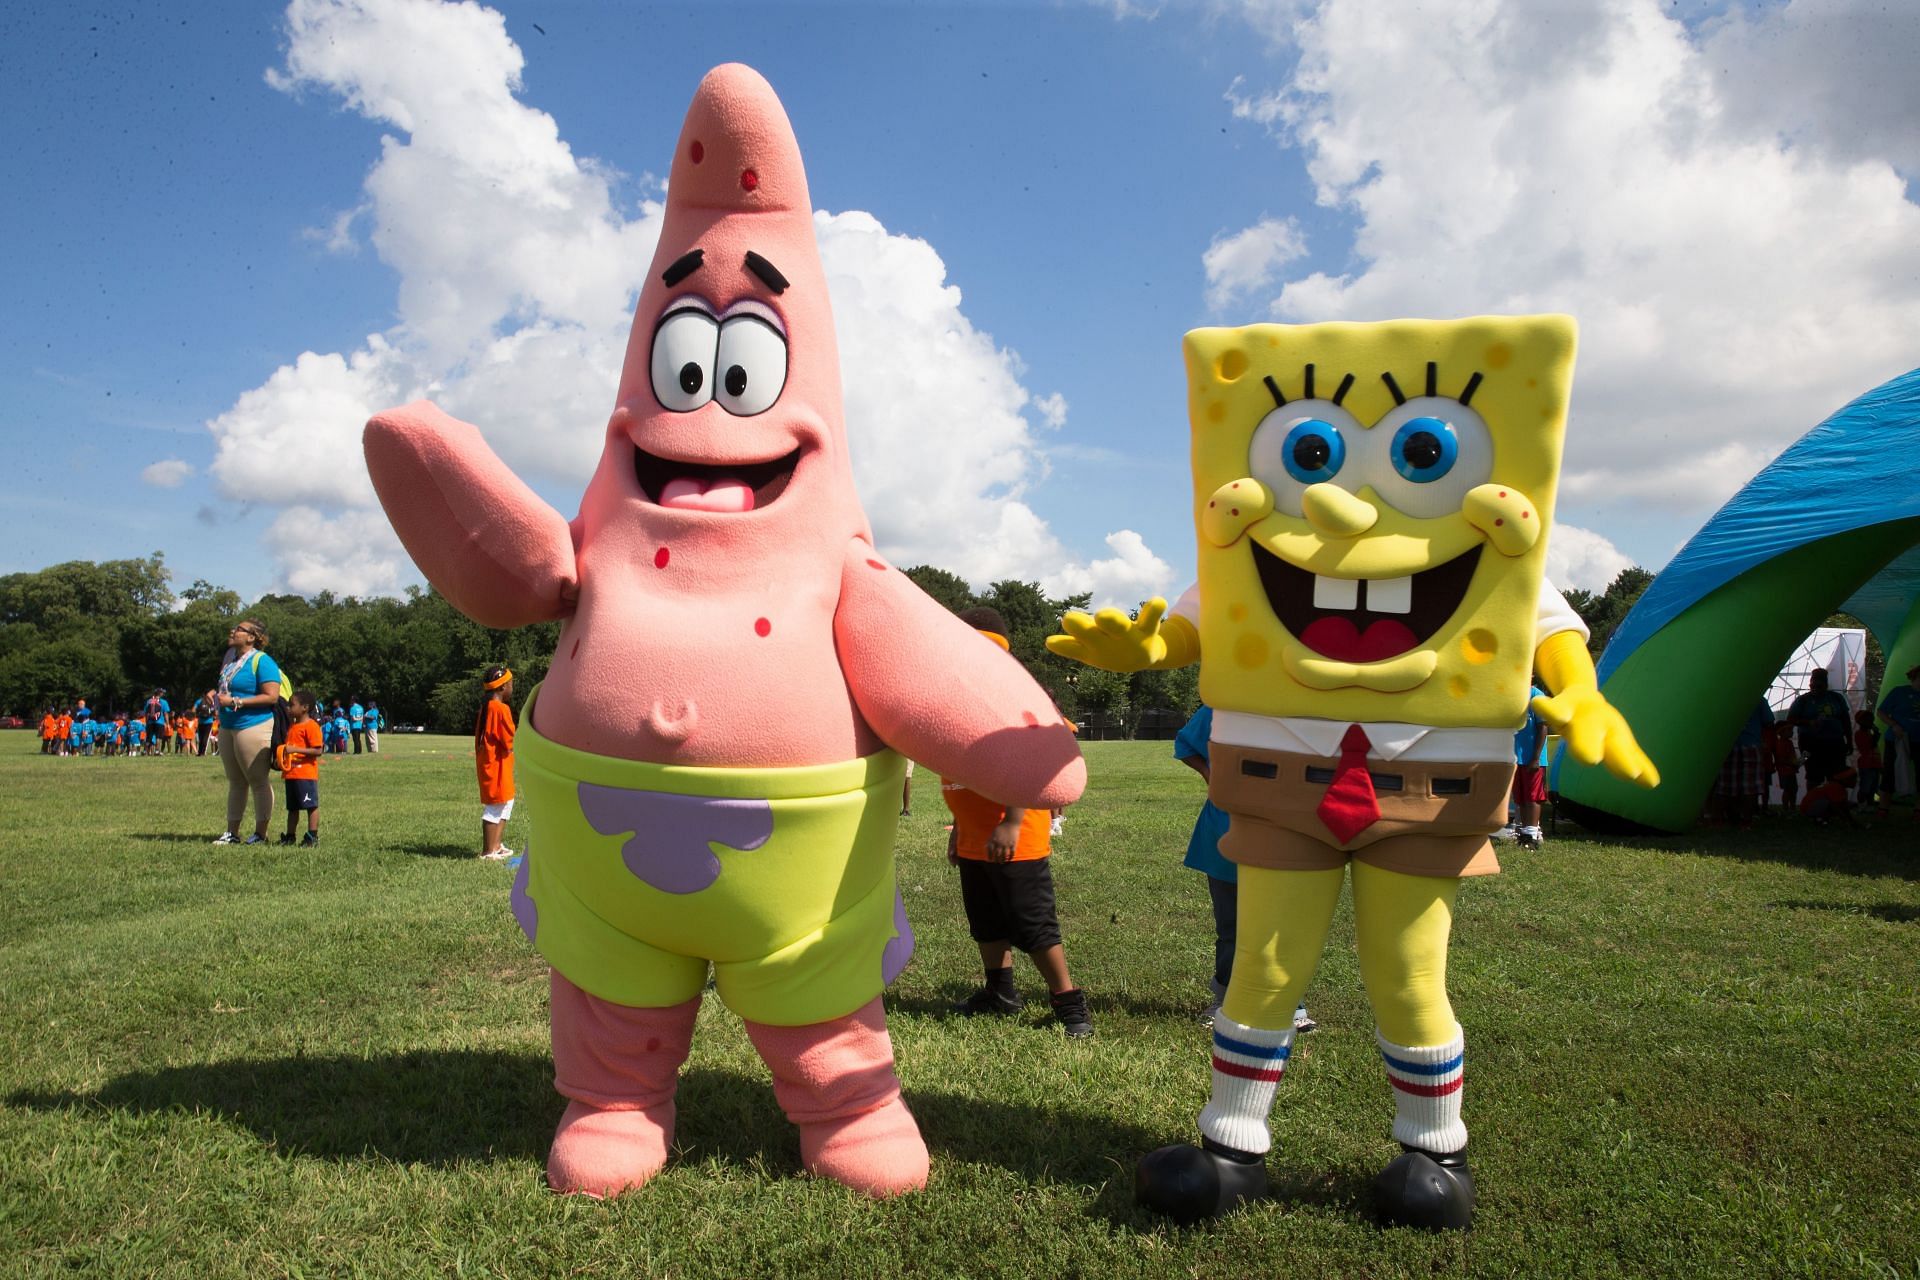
[1268,537]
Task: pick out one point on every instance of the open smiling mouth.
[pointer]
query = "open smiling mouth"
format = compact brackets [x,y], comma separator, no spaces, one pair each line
[1364,619]
[701,486]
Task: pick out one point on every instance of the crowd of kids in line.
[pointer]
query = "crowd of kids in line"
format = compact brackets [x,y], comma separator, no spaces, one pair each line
[1853,761]
[156,729]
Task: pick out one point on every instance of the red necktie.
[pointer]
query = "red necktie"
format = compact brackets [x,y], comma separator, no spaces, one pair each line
[1349,807]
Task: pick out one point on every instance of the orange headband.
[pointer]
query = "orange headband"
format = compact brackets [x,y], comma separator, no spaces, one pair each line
[495,684]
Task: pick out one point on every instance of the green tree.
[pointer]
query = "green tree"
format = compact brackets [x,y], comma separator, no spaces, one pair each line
[950,589]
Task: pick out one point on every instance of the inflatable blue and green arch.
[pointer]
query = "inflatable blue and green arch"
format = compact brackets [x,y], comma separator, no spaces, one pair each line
[1831,524]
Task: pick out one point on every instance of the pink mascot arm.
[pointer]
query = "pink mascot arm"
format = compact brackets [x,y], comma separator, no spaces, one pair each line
[483,538]
[944,695]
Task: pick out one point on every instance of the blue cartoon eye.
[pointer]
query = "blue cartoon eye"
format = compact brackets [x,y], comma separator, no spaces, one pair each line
[1424,449]
[1313,451]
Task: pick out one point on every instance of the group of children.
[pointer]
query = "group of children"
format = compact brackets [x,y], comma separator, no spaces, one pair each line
[352,724]
[1848,757]
[154,730]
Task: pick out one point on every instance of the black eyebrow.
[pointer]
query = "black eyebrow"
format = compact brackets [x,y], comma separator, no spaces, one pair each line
[1346,385]
[1273,388]
[769,274]
[1393,387]
[683,266]
[1473,385]
[1433,378]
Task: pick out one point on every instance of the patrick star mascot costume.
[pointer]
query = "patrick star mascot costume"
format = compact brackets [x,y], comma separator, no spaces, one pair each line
[713,764]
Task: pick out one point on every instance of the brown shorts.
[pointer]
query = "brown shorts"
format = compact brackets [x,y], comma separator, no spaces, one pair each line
[1434,817]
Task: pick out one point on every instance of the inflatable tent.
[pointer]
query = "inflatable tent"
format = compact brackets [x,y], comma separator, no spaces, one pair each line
[1831,524]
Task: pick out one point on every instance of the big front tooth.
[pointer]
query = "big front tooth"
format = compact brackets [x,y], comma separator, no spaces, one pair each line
[1335,593]
[1390,595]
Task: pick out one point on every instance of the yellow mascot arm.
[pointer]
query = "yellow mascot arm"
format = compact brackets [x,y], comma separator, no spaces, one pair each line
[1112,641]
[1596,733]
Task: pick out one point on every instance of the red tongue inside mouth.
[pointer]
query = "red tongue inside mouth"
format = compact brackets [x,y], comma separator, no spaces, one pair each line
[1339,638]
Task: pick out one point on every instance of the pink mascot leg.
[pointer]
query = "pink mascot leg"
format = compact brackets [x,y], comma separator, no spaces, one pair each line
[618,1067]
[836,1083]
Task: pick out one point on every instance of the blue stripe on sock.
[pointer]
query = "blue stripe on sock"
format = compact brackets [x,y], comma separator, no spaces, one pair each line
[1424,1068]
[1280,1052]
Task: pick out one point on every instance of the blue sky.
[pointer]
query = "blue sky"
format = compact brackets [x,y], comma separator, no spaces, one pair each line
[186,230]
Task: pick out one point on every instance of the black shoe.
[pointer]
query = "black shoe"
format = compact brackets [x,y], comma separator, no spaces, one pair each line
[1190,1183]
[988,1001]
[1426,1189]
[309,840]
[1529,843]
[285,840]
[1070,1011]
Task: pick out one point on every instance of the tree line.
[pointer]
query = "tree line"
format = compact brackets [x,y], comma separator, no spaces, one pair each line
[113,631]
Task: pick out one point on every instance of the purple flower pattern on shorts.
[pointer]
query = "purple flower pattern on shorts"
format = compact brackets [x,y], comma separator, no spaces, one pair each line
[671,834]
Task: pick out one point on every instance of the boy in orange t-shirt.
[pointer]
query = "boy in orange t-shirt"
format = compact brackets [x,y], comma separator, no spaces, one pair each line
[49,723]
[299,760]
[493,761]
[1006,886]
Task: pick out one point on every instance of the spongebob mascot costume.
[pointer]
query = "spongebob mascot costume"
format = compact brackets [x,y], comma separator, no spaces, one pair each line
[1373,504]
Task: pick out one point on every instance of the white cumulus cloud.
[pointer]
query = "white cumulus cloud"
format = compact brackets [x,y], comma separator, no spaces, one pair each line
[518,263]
[169,473]
[1722,208]
[1581,558]
[1248,260]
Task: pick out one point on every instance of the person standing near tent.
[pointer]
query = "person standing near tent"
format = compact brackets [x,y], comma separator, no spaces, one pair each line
[1822,718]
[1899,712]
[249,690]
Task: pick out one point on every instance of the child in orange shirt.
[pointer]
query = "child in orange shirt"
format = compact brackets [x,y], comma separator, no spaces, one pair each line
[299,760]
[1006,886]
[49,723]
[493,761]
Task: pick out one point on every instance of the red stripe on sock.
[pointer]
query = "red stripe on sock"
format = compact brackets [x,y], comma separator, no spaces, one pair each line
[1420,1090]
[1246,1073]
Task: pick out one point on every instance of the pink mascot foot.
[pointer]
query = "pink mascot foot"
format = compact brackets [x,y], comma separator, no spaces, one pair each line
[618,1067]
[836,1083]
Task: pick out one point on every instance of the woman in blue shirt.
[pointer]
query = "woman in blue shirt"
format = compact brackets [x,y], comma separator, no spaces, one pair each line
[249,689]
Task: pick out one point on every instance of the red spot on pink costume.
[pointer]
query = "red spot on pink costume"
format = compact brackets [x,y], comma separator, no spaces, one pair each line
[749,180]
[696,152]
[875,564]
[660,558]
[1029,717]
[761,626]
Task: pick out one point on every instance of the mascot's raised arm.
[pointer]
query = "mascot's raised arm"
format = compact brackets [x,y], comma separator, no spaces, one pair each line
[712,765]
[1373,504]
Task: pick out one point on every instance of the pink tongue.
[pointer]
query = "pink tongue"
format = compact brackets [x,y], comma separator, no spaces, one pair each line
[724,494]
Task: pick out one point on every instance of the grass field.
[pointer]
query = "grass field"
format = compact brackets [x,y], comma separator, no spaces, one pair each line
[1693,1056]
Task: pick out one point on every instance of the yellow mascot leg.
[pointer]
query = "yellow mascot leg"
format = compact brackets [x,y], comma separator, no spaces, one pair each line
[1402,923]
[1282,929]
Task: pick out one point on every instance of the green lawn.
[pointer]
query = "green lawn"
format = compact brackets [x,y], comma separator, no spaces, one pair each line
[1688,1056]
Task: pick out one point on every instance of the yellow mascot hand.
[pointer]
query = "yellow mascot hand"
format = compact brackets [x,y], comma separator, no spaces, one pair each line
[1595,731]
[1112,641]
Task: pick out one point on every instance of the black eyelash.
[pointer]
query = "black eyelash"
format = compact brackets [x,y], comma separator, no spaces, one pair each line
[768,274]
[1433,378]
[1394,387]
[1346,385]
[1309,391]
[683,266]
[1473,385]
[1273,388]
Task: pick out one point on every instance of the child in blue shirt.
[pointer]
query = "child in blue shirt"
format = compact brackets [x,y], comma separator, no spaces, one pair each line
[1191,748]
[1529,779]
